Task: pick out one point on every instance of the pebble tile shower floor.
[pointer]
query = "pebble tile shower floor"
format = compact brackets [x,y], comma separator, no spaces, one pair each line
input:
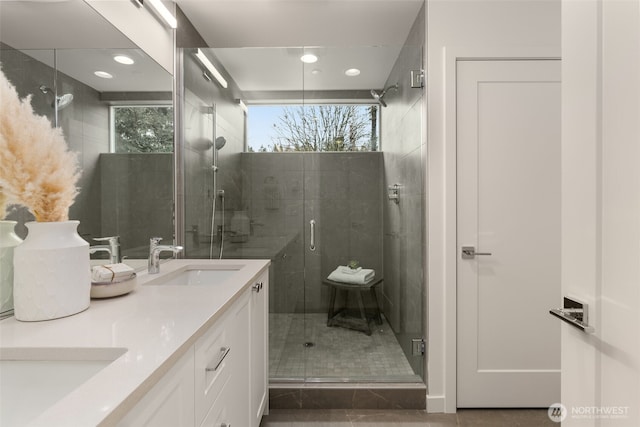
[336,353]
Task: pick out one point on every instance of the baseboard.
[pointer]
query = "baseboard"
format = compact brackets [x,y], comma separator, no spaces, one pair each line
[435,404]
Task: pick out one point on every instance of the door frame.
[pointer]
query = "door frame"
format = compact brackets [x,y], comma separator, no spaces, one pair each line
[442,229]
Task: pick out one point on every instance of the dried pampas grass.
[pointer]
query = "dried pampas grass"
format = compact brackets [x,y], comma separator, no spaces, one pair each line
[37,170]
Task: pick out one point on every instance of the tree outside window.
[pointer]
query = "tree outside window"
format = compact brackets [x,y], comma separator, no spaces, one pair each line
[314,128]
[142,129]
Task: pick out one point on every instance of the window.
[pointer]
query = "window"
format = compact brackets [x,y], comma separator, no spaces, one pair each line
[280,128]
[142,129]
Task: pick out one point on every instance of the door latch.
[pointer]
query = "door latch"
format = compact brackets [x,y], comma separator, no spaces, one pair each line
[575,313]
[469,252]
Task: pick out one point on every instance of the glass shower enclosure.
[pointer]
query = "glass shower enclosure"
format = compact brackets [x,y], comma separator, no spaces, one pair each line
[310,212]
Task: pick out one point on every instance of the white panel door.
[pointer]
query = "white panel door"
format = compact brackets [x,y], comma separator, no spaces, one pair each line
[601,211]
[508,134]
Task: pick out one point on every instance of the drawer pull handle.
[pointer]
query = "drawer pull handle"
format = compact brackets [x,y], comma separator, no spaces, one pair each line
[223,353]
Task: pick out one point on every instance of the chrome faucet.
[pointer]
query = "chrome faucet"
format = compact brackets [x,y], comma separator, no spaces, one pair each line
[112,246]
[154,253]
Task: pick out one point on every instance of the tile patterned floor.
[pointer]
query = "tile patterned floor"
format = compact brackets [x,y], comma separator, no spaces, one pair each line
[408,418]
[337,352]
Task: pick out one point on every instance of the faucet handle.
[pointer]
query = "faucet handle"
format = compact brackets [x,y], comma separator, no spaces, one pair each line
[110,239]
[155,240]
[114,247]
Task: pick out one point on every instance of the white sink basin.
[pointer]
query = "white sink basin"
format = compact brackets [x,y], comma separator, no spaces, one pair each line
[34,379]
[197,276]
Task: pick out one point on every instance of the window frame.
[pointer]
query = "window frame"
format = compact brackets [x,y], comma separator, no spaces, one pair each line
[288,103]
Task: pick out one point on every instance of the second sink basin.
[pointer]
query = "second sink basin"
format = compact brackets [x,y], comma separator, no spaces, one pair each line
[197,276]
[34,379]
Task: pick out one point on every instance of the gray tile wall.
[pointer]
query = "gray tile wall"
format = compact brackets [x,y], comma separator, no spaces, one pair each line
[273,189]
[404,149]
[343,194]
[340,191]
[142,183]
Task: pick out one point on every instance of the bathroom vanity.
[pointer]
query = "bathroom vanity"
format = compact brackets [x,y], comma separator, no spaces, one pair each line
[188,347]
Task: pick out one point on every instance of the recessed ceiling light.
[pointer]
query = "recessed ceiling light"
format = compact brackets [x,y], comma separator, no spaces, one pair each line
[352,72]
[308,58]
[103,74]
[123,59]
[316,71]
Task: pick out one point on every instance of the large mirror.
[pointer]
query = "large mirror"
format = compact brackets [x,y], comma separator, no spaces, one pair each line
[115,106]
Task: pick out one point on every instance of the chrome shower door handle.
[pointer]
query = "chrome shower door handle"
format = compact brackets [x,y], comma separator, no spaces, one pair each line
[312,235]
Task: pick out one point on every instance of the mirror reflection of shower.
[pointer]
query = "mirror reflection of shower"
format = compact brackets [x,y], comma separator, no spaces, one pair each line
[220,142]
[217,146]
[58,102]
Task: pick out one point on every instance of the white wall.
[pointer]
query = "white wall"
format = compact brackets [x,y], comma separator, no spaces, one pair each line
[463,29]
[601,210]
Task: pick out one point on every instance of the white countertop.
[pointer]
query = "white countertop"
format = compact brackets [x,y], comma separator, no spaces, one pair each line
[156,324]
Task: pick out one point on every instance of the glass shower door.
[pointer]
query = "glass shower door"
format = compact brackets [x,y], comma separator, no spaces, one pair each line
[273,197]
[343,216]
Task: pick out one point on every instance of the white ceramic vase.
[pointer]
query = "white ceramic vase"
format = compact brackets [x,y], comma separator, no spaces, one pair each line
[52,277]
[8,241]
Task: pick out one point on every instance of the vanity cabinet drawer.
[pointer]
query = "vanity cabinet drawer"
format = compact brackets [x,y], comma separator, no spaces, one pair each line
[221,356]
[219,414]
[214,353]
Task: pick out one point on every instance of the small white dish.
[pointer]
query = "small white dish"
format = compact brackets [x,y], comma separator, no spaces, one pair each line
[113,289]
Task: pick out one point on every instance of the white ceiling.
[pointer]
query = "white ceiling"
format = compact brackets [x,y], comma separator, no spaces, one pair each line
[259,42]
[280,69]
[286,23]
[56,24]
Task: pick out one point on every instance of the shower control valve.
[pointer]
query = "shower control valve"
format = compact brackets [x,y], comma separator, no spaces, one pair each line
[393,193]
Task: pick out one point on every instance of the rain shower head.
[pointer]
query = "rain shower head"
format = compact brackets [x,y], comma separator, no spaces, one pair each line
[59,101]
[64,100]
[379,96]
[220,141]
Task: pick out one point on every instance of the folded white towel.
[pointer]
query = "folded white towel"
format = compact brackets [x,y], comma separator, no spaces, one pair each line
[348,270]
[360,277]
[111,272]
